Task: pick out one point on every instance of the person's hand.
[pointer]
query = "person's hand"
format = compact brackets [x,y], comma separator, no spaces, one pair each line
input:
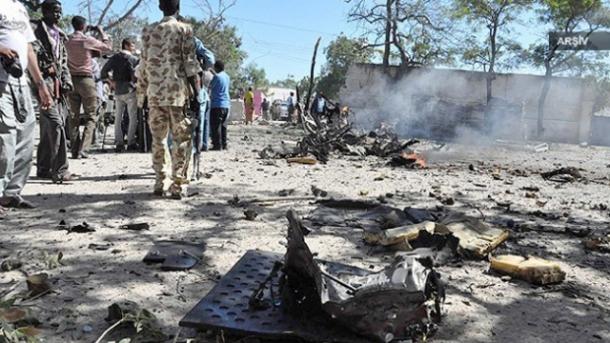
[45,97]
[8,53]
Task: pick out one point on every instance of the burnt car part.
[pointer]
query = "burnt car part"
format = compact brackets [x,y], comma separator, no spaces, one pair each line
[267,296]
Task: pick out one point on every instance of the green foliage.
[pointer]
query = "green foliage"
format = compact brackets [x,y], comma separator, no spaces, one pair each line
[251,76]
[288,82]
[340,54]
[225,42]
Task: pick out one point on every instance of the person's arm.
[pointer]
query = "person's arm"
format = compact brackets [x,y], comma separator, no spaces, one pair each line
[189,60]
[65,77]
[205,54]
[43,92]
[103,46]
[107,68]
[141,75]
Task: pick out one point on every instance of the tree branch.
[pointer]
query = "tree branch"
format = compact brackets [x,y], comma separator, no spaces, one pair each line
[125,16]
[104,12]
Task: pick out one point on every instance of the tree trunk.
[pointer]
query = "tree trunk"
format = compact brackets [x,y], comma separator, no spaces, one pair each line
[388,34]
[543,95]
[492,61]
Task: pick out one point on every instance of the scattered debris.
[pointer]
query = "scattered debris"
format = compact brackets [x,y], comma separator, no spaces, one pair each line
[175,255]
[534,270]
[317,192]
[309,160]
[477,239]
[135,227]
[250,214]
[81,228]
[403,301]
[53,261]
[563,175]
[38,285]
[286,192]
[100,247]
[601,244]
[9,265]
[408,159]
[544,147]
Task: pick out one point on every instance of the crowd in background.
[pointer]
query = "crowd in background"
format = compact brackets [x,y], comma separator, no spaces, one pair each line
[175,93]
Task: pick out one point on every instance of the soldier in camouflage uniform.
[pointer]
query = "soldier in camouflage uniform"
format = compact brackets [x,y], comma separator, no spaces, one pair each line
[52,156]
[167,67]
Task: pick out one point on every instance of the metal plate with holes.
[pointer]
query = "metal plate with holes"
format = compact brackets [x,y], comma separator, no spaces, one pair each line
[226,306]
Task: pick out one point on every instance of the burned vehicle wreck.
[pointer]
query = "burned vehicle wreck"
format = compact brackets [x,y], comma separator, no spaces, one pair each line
[299,296]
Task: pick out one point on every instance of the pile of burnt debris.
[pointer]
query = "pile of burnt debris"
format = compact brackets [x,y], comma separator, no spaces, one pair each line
[298,296]
[321,143]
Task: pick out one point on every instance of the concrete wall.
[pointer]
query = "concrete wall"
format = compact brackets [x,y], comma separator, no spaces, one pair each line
[569,106]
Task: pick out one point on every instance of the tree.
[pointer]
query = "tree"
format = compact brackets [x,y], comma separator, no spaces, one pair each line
[566,16]
[252,76]
[99,12]
[414,32]
[495,15]
[288,82]
[340,54]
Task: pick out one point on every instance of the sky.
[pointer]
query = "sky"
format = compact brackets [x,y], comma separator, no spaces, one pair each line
[278,35]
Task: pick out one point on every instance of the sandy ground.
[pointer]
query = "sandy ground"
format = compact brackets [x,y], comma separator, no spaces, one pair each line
[481,307]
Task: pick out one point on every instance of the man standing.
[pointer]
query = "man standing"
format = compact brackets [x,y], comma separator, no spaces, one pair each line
[80,61]
[221,103]
[265,106]
[319,105]
[291,107]
[206,59]
[167,67]
[249,105]
[123,67]
[17,117]
[52,156]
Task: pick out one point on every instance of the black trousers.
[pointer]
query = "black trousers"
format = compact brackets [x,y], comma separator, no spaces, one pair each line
[218,128]
[52,156]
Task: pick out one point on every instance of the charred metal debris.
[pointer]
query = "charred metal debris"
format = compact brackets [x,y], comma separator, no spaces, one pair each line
[322,143]
[341,303]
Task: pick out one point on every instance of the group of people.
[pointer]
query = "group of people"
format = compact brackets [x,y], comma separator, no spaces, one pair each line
[174,74]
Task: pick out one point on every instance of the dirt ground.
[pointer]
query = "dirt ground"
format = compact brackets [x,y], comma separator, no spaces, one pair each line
[114,190]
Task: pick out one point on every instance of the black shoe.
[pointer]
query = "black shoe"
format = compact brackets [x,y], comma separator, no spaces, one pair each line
[133,148]
[119,149]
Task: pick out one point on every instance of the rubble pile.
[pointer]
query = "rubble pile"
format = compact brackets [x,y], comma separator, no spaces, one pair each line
[322,143]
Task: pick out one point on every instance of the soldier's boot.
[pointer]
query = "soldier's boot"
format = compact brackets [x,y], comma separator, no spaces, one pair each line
[158,189]
[176,192]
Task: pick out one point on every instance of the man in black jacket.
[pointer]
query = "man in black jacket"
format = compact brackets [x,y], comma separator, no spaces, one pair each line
[52,156]
[123,66]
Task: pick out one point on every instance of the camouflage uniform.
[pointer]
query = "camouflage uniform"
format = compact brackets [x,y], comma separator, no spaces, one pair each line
[168,59]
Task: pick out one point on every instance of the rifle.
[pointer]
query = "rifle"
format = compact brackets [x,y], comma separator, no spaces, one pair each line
[143,132]
[196,121]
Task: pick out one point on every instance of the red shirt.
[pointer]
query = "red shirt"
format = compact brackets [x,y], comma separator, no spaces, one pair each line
[79,48]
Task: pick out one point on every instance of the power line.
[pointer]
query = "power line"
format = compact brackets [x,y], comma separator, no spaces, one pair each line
[283,26]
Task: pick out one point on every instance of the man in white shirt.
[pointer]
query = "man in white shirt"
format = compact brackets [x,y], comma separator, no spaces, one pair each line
[17,117]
